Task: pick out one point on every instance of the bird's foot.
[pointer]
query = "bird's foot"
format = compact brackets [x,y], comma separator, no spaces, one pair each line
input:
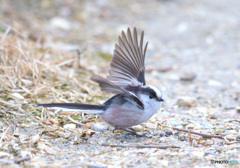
[131,131]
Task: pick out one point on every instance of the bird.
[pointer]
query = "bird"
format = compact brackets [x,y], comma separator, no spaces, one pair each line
[134,102]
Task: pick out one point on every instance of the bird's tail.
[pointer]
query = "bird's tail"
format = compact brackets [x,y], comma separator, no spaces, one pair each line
[84,108]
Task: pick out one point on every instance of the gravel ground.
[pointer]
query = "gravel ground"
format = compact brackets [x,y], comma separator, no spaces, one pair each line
[193,57]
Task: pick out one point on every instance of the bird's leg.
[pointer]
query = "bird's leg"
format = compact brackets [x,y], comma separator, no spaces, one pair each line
[131,131]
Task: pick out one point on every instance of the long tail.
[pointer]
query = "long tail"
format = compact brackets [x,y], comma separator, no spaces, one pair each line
[85,108]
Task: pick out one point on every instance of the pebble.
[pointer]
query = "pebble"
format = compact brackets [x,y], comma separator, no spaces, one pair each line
[60,23]
[162,134]
[231,132]
[182,137]
[70,126]
[87,125]
[213,116]
[188,77]
[182,27]
[151,132]
[4,154]
[206,124]
[198,154]
[238,136]
[169,132]
[25,154]
[61,140]
[35,138]
[164,163]
[190,126]
[96,166]
[1,124]
[99,127]
[147,141]
[238,109]
[186,102]
[211,152]
[137,128]
[215,83]
[150,125]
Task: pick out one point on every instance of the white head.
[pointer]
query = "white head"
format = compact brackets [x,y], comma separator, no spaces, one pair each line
[152,101]
[151,97]
[151,92]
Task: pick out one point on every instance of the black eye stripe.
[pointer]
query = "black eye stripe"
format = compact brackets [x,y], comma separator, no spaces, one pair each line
[149,91]
[144,90]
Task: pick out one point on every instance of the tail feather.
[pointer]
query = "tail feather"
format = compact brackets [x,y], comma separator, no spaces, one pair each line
[85,108]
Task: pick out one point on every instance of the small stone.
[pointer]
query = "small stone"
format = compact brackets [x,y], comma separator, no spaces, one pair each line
[60,23]
[213,116]
[198,154]
[206,124]
[147,141]
[63,134]
[211,152]
[215,83]
[47,122]
[70,126]
[99,127]
[151,132]
[181,137]
[137,128]
[61,140]
[238,136]
[169,132]
[231,132]
[4,154]
[186,102]
[238,109]
[164,163]
[96,166]
[25,154]
[35,138]
[16,150]
[162,134]
[190,126]
[182,27]
[188,77]
[87,125]
[150,125]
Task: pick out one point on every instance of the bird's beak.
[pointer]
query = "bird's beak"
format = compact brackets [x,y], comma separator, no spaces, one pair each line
[160,99]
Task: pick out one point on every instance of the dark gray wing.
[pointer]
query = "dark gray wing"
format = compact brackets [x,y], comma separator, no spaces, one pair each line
[109,87]
[127,65]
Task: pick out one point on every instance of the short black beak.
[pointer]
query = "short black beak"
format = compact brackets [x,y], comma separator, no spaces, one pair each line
[160,99]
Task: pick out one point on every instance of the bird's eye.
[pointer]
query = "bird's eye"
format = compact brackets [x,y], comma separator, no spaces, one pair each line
[151,96]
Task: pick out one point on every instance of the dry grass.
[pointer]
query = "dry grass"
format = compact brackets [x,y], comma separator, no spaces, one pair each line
[32,73]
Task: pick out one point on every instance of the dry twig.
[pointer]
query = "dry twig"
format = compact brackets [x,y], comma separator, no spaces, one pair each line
[141,146]
[4,133]
[207,135]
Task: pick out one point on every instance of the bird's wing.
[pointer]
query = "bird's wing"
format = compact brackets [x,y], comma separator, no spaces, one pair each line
[127,65]
[109,87]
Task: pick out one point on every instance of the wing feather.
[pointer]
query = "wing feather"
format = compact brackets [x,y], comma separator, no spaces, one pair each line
[127,65]
[109,87]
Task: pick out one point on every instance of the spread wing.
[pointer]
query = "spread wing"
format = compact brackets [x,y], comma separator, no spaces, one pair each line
[127,65]
[109,87]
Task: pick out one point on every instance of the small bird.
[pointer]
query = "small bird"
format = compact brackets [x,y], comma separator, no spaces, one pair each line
[134,102]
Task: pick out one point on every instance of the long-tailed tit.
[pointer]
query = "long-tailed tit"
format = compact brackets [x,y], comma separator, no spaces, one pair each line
[134,102]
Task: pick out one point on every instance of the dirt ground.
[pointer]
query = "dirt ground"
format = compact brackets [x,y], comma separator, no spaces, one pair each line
[50,49]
